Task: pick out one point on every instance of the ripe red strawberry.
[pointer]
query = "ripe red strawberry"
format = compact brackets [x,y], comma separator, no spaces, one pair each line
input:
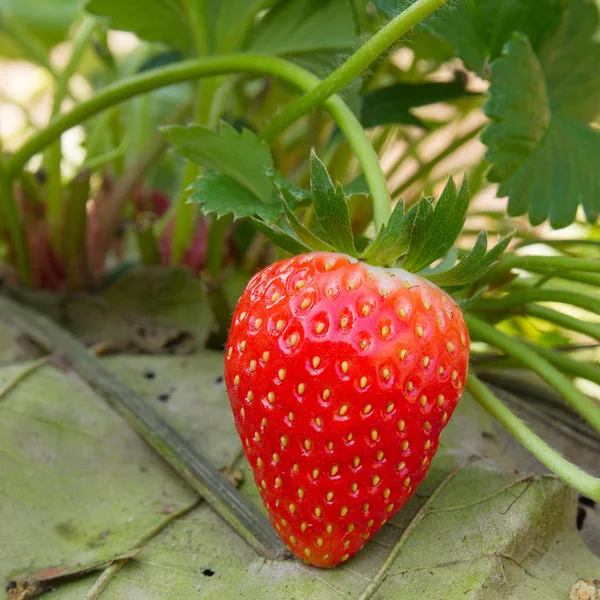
[341,377]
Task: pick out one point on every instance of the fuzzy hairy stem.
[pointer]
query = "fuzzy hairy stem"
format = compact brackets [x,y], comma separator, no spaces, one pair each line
[353,67]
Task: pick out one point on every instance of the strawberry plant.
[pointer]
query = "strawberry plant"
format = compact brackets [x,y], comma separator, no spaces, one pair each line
[378,208]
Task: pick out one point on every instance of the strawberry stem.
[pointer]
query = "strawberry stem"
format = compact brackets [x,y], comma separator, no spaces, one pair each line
[10,218]
[74,238]
[562,320]
[550,263]
[583,482]
[354,66]
[323,93]
[558,357]
[585,406]
[147,244]
[53,156]
[186,214]
[524,296]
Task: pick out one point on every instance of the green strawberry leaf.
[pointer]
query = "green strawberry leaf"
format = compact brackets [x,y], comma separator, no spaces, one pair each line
[446,263]
[305,26]
[168,21]
[304,233]
[228,21]
[478,29]
[357,187]
[279,237]
[543,153]
[393,239]
[242,156]
[474,265]
[391,104]
[435,228]
[323,62]
[221,194]
[294,194]
[331,207]
[45,23]
[177,22]
[162,58]
[298,196]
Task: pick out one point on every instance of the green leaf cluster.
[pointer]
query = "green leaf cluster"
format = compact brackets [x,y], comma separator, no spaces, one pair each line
[331,207]
[426,233]
[241,181]
[212,26]
[392,104]
[30,28]
[541,58]
[240,155]
[478,29]
[544,154]
[474,265]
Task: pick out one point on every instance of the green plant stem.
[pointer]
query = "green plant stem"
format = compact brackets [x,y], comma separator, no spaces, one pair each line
[147,243]
[80,43]
[75,231]
[558,243]
[10,218]
[196,11]
[574,367]
[549,263]
[354,66]
[518,298]
[583,482]
[117,133]
[55,212]
[323,92]
[31,189]
[217,238]
[558,357]
[134,172]
[186,214]
[563,320]
[585,406]
[55,209]
[592,279]
[436,160]
[194,468]
[193,69]
[100,160]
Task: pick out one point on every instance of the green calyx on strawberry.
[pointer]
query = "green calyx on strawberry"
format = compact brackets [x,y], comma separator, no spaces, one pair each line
[342,372]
